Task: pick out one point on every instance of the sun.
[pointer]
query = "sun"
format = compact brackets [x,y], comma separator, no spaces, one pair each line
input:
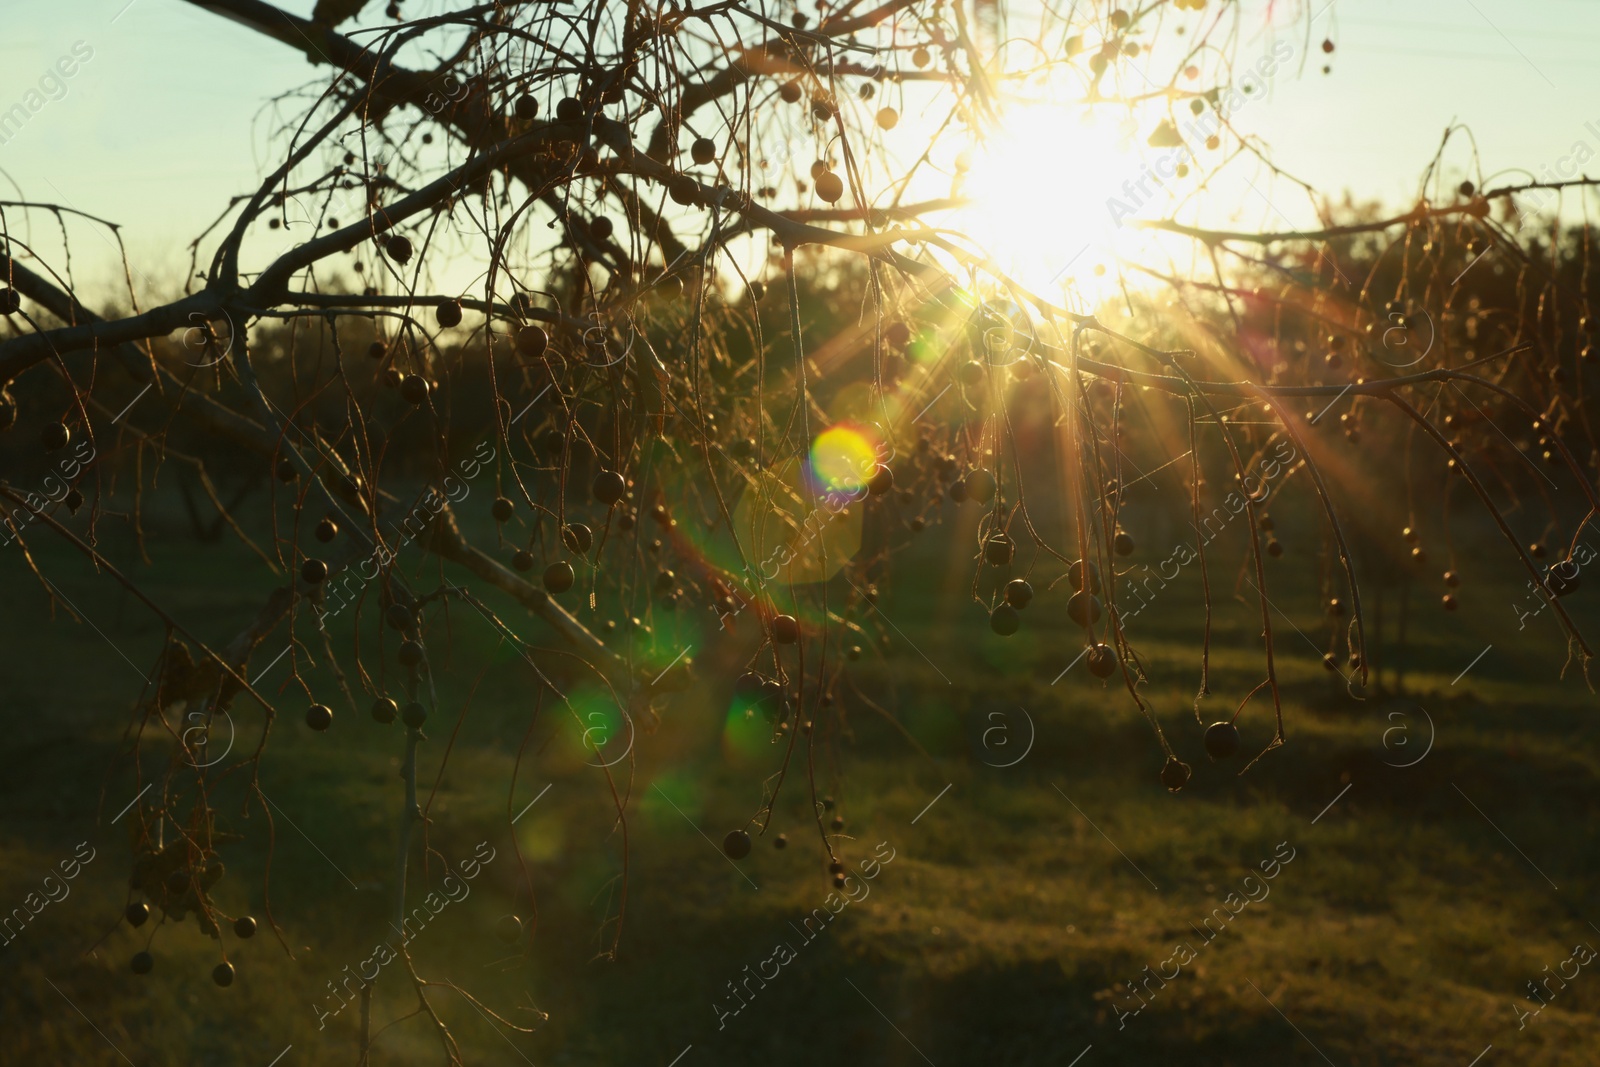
[1051,196]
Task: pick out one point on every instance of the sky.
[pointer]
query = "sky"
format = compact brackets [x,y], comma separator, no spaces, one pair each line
[169,114]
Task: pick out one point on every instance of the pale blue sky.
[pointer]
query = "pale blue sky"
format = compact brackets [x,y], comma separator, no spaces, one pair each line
[167,119]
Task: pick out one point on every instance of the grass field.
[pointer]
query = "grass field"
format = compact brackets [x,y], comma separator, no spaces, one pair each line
[1441,856]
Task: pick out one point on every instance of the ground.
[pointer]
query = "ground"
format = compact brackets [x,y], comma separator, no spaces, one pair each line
[1427,853]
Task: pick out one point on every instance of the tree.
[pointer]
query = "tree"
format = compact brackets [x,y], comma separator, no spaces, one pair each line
[553,211]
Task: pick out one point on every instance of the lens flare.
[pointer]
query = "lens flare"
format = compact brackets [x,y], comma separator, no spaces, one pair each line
[843,458]
[745,733]
[540,837]
[597,721]
[669,798]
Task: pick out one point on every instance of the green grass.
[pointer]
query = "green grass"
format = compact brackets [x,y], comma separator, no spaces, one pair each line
[1403,931]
